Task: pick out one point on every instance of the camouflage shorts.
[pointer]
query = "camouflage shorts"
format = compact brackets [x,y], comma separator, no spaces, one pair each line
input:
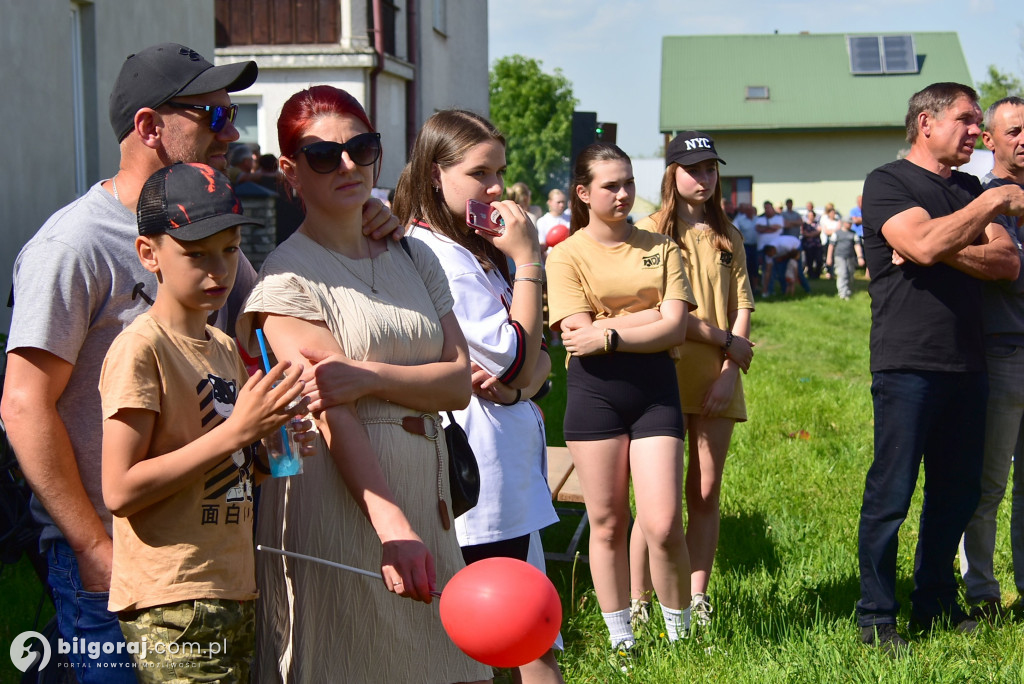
[204,640]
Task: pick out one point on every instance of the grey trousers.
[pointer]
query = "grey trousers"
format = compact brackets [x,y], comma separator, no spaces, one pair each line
[1004,445]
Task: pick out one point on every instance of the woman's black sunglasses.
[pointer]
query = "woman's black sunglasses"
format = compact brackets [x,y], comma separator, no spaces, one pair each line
[219,116]
[325,156]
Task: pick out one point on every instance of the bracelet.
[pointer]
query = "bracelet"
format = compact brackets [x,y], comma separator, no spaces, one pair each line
[519,396]
[528,280]
[614,339]
[532,263]
[728,341]
[608,341]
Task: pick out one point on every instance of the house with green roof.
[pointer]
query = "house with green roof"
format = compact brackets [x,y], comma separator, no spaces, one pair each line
[803,116]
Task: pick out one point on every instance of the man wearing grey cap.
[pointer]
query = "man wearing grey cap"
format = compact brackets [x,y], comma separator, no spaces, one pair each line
[77,284]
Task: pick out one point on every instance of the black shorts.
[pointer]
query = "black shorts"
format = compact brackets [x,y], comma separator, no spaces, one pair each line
[518,548]
[622,394]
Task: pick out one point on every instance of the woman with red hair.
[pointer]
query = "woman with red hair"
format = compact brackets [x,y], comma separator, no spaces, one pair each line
[389,355]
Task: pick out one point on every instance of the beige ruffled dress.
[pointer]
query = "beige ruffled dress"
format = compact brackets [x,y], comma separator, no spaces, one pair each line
[320,624]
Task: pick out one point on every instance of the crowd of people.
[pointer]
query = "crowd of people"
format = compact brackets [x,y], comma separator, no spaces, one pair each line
[789,248]
[138,428]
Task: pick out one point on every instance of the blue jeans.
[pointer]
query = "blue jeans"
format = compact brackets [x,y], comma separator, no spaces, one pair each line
[753,264]
[84,615]
[1004,443]
[779,275]
[939,417]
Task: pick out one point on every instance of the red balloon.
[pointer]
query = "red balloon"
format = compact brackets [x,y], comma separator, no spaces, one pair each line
[556,234]
[501,611]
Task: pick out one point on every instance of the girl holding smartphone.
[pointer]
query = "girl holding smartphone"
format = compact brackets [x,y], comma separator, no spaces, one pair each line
[620,298]
[459,157]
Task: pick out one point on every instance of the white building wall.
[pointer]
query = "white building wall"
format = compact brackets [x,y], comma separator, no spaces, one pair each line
[36,117]
[452,65]
[448,68]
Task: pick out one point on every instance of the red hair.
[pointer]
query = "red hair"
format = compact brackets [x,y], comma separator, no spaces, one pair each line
[306,106]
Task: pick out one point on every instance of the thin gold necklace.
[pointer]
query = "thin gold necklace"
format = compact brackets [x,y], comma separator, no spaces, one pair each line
[373,271]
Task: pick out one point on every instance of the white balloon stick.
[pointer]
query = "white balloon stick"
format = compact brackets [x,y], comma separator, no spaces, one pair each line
[323,561]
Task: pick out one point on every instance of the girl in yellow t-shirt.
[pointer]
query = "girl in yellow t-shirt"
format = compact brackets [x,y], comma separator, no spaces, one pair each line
[708,366]
[620,299]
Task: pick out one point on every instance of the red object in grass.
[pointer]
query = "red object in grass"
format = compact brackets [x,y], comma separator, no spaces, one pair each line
[556,234]
[501,611]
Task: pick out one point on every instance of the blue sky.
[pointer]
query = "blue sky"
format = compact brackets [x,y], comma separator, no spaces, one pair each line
[611,49]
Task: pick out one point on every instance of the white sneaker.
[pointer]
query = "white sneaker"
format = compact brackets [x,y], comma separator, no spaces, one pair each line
[639,613]
[701,610]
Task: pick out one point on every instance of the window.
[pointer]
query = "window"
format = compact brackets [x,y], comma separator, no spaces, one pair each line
[757,92]
[441,16]
[245,122]
[738,189]
[882,54]
[83,86]
[281,22]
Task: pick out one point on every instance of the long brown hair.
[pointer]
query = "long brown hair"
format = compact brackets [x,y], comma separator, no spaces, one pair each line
[668,221]
[444,140]
[582,174]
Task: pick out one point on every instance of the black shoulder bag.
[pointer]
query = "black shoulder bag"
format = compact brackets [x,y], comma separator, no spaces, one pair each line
[463,471]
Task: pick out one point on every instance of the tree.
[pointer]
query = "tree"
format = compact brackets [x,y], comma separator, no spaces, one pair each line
[998,86]
[534,112]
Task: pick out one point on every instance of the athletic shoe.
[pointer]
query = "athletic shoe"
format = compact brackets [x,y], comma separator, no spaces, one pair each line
[700,610]
[639,614]
[885,638]
[989,609]
[956,619]
[623,655]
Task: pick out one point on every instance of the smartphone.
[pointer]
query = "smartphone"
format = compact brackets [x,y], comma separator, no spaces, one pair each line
[484,218]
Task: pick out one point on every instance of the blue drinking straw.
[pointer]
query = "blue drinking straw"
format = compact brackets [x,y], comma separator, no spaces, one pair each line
[266,366]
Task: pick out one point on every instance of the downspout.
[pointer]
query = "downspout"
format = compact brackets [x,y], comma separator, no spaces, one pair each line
[378,48]
[411,104]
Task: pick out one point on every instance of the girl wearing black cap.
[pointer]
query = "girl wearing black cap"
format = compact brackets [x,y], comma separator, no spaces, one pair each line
[620,298]
[717,348]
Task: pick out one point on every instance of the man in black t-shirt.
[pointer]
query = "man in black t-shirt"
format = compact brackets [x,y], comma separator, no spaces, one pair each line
[929,237]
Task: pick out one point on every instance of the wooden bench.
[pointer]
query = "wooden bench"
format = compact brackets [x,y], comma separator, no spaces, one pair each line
[565,487]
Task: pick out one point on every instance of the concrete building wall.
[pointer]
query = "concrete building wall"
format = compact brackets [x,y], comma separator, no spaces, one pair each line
[448,69]
[808,166]
[452,69]
[37,118]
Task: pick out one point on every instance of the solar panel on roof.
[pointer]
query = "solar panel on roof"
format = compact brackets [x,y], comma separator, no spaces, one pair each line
[865,55]
[882,54]
[898,54]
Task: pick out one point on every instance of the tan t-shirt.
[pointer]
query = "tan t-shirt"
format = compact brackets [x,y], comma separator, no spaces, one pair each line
[721,286]
[197,542]
[639,274]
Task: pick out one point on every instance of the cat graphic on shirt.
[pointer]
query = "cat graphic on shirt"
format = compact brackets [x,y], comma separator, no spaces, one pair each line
[217,398]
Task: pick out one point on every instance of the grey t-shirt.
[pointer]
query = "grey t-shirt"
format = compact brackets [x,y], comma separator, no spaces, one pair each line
[1003,303]
[77,284]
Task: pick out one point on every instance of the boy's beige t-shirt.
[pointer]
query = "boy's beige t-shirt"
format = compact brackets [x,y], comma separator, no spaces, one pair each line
[638,274]
[196,543]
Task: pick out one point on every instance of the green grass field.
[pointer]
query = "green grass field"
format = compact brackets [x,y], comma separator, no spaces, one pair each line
[785,581]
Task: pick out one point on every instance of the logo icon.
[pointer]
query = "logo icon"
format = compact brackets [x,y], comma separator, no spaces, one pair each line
[24,657]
